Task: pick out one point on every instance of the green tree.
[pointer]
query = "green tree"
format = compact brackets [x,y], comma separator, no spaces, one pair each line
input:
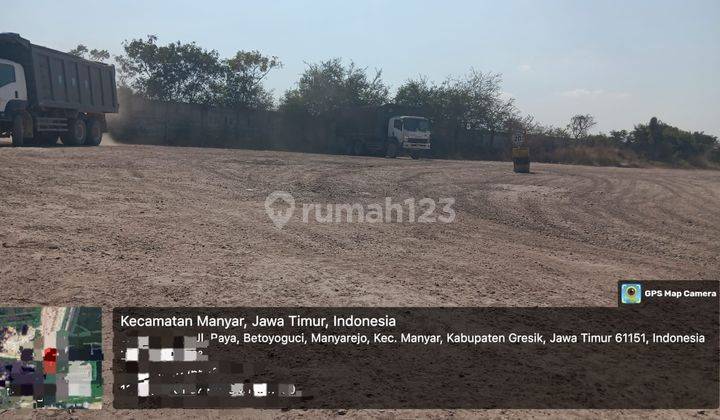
[242,84]
[173,72]
[418,93]
[619,137]
[473,101]
[189,73]
[662,142]
[329,85]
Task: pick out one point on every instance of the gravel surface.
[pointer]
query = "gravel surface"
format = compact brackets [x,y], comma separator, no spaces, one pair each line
[148,225]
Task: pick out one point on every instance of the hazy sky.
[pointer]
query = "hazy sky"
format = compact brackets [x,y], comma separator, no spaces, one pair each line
[622,61]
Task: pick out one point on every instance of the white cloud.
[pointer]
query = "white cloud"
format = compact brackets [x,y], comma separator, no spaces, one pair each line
[525,68]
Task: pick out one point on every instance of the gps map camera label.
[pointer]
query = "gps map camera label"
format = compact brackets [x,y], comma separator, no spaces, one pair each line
[631,293]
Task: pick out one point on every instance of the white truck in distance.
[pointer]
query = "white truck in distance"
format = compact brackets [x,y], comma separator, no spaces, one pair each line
[388,130]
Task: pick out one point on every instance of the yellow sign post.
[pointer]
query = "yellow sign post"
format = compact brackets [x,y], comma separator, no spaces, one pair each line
[520,154]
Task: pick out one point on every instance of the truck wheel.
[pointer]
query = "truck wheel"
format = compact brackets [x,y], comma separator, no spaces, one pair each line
[415,155]
[392,149]
[94,133]
[75,136]
[18,131]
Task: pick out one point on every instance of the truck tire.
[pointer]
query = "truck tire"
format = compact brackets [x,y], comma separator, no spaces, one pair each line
[392,150]
[94,132]
[18,131]
[76,134]
[415,154]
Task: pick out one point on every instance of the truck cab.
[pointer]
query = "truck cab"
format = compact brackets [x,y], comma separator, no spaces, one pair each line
[13,89]
[411,132]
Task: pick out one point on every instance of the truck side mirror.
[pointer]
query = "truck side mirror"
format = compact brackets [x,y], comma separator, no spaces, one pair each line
[16,94]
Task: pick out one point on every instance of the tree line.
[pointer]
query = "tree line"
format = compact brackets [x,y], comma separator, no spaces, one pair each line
[187,72]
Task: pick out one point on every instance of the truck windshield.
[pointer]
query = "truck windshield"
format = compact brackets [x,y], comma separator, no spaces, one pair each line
[416,124]
[7,74]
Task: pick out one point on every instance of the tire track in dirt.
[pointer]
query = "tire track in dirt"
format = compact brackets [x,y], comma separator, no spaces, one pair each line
[144,225]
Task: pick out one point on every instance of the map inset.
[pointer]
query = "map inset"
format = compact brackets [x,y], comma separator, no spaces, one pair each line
[51,357]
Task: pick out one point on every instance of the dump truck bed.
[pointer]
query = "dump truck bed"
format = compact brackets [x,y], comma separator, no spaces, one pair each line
[59,80]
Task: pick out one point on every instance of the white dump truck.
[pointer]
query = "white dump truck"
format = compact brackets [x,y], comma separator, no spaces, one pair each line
[388,130]
[46,94]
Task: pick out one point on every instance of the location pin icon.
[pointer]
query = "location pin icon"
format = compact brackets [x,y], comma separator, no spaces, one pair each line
[279,216]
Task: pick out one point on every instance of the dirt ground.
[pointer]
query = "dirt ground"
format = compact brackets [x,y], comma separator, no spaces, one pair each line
[147,225]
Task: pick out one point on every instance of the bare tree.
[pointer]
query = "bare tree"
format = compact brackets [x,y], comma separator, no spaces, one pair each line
[580,125]
[95,55]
